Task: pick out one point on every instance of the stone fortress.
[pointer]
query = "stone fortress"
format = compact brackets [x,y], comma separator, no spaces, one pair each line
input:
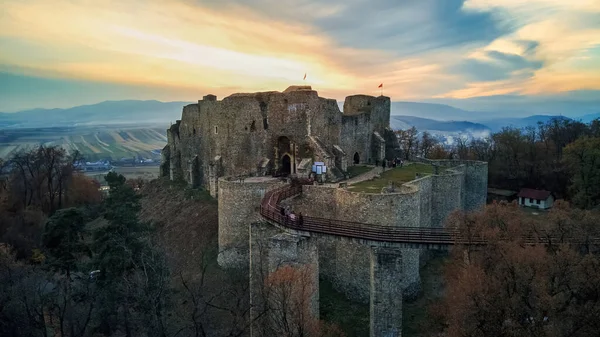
[239,147]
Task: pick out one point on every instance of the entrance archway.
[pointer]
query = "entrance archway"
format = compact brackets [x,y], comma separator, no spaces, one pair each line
[286,165]
[356,158]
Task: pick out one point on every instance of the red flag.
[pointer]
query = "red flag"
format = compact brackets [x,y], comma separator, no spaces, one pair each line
[304,76]
[380,86]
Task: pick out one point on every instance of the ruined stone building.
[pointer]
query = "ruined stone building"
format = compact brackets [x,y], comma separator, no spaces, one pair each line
[258,135]
[264,133]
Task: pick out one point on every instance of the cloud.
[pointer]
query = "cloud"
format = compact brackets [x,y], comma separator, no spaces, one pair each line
[401,27]
[417,48]
[552,51]
[497,65]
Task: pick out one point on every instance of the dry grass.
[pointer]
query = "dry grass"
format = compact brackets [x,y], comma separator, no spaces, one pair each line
[398,175]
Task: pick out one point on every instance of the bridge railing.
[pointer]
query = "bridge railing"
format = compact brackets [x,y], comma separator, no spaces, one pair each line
[271,209]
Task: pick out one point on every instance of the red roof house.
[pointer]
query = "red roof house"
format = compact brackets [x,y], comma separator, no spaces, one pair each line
[536,198]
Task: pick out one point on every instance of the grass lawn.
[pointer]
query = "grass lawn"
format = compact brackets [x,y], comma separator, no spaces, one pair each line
[398,175]
[357,170]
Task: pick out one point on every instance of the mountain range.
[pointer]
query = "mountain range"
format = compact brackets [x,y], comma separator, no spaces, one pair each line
[423,116]
[105,113]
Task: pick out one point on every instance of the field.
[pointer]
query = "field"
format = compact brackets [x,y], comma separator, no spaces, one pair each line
[397,175]
[94,142]
[144,172]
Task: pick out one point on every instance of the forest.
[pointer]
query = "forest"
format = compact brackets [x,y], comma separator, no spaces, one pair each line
[561,156]
[76,262]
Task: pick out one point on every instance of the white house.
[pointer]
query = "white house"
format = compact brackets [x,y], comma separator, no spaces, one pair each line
[535,198]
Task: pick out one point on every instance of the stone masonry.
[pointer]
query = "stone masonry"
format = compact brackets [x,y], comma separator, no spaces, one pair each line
[424,202]
[235,146]
[257,134]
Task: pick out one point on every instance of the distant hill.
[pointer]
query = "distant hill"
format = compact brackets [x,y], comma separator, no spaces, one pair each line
[499,123]
[108,112]
[440,112]
[590,117]
[422,124]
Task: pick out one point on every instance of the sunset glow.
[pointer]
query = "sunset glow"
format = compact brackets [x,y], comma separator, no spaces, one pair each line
[185,49]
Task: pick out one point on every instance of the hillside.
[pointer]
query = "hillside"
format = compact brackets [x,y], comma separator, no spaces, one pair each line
[186,222]
[499,123]
[94,142]
[400,122]
[108,112]
[440,112]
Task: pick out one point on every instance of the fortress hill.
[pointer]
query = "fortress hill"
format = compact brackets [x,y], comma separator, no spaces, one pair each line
[281,133]
[363,243]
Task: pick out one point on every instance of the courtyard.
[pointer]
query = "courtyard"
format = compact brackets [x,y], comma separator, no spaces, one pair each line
[397,175]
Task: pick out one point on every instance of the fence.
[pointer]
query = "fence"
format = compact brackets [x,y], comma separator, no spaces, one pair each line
[271,210]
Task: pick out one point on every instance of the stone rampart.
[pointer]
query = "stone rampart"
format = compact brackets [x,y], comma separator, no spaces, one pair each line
[239,205]
[424,202]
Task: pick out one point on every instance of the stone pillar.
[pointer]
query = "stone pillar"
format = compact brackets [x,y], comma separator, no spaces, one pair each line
[411,277]
[386,292]
[260,233]
[284,270]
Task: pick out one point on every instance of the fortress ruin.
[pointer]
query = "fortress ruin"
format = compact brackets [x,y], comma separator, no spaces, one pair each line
[239,147]
[281,133]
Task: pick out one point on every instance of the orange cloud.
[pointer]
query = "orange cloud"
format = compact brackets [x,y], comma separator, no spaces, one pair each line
[187,47]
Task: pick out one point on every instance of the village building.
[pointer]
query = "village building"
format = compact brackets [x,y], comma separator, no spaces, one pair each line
[536,198]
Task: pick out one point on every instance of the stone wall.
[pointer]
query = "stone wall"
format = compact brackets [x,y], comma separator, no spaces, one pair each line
[239,205]
[447,195]
[386,297]
[377,107]
[271,250]
[356,137]
[245,130]
[392,209]
[424,202]
[476,181]
[346,263]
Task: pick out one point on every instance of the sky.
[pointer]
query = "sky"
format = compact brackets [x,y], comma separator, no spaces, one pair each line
[63,53]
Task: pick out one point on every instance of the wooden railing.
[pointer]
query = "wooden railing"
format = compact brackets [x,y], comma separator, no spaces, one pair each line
[270,209]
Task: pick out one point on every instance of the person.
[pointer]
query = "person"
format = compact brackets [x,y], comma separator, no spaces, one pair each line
[282,211]
[394,163]
[300,219]
[383,164]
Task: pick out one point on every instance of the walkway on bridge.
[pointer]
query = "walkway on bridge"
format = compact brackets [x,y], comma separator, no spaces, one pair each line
[427,236]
